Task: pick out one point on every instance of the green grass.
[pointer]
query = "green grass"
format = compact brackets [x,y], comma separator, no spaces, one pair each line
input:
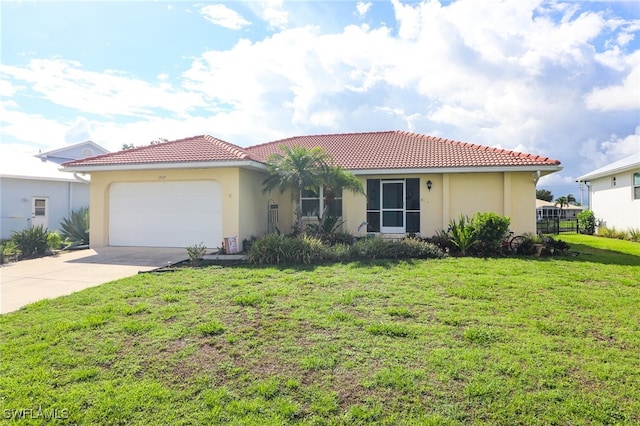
[455,341]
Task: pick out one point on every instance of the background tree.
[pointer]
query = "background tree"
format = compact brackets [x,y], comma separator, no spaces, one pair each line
[297,169]
[544,194]
[565,201]
[126,146]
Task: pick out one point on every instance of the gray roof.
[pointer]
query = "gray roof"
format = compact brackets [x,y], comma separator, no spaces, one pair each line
[626,164]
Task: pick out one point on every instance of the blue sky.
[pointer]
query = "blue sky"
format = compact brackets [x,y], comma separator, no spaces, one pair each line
[559,79]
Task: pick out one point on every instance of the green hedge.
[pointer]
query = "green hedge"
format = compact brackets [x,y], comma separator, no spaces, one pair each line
[276,249]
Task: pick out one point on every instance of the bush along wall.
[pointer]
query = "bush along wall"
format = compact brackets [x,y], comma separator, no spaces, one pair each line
[277,249]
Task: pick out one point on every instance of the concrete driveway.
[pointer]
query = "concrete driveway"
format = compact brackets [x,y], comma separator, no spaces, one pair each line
[28,281]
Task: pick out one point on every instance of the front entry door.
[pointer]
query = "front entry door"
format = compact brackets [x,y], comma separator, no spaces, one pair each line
[40,212]
[393,197]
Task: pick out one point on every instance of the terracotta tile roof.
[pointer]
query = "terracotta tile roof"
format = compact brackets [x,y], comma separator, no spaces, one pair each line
[402,150]
[353,151]
[195,149]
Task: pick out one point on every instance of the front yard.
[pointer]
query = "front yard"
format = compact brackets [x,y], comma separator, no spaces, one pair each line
[452,341]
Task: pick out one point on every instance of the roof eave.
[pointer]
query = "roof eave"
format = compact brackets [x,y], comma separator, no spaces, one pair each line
[597,175]
[46,178]
[247,164]
[543,169]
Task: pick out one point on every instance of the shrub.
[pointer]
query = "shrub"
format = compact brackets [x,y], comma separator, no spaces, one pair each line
[31,241]
[76,228]
[528,244]
[491,229]
[552,246]
[10,251]
[275,248]
[371,248]
[586,222]
[334,238]
[196,251]
[634,235]
[462,234]
[54,241]
[417,249]
[441,240]
[612,232]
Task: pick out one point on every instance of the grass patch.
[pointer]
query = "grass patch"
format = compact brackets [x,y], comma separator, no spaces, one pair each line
[452,341]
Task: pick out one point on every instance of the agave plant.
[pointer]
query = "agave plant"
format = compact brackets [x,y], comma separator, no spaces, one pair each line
[76,228]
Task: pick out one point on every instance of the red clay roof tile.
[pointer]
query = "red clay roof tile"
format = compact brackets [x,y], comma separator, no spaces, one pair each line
[353,151]
[202,148]
[399,149]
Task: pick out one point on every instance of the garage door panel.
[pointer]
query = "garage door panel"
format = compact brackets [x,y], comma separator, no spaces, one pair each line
[165,214]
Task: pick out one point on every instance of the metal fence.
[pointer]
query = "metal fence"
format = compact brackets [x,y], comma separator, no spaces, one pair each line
[556,225]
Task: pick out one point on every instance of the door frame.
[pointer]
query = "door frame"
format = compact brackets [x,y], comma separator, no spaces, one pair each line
[40,219]
[393,229]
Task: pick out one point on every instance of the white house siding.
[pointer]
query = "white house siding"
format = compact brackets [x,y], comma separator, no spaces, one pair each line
[16,200]
[614,205]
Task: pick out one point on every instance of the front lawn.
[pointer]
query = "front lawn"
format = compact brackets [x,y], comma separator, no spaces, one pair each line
[452,341]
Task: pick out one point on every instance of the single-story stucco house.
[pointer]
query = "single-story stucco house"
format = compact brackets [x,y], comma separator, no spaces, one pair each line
[614,193]
[549,210]
[33,191]
[202,189]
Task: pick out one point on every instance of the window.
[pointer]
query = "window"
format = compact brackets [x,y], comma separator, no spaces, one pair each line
[39,207]
[312,203]
[613,181]
[636,186]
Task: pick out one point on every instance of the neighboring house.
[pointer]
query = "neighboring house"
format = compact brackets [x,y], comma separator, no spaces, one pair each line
[201,189]
[614,193]
[549,210]
[72,152]
[33,191]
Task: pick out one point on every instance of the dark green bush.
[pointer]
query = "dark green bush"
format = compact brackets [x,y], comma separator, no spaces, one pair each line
[586,222]
[418,249]
[554,247]
[442,241]
[491,229]
[31,241]
[463,234]
[75,229]
[10,251]
[334,238]
[274,249]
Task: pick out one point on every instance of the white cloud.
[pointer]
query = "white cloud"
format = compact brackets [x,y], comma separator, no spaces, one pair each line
[274,14]
[221,15]
[66,83]
[79,131]
[362,8]
[624,96]
[498,73]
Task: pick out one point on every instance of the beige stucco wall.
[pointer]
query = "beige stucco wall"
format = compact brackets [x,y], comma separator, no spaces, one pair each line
[245,206]
[254,206]
[510,194]
[228,178]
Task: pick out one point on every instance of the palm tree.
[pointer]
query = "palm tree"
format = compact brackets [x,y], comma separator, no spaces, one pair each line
[565,201]
[335,179]
[297,169]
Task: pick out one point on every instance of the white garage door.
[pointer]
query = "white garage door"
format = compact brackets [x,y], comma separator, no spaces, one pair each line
[165,214]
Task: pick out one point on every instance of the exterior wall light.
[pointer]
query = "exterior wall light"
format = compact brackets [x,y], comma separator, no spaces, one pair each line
[429,185]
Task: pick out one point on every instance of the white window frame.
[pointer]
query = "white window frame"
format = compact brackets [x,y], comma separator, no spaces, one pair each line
[320,199]
[635,187]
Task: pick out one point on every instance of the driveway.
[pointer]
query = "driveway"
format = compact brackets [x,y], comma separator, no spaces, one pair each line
[28,281]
